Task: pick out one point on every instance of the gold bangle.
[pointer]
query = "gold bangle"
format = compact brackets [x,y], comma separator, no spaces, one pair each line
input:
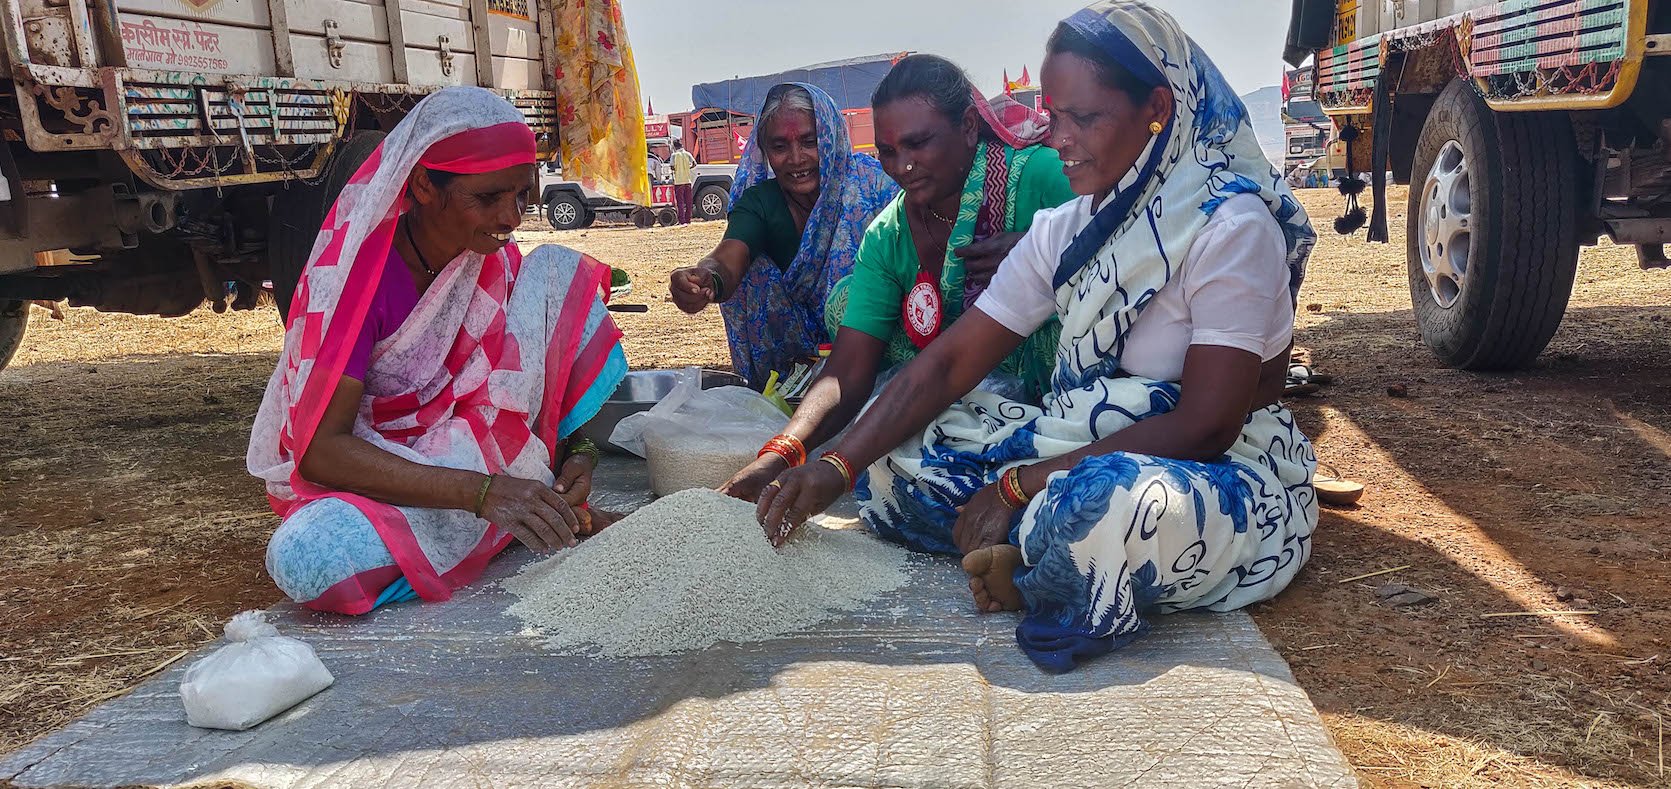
[841,465]
[1011,491]
[481,495]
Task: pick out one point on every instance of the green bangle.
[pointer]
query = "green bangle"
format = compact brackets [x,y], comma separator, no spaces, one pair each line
[587,447]
[481,495]
[719,284]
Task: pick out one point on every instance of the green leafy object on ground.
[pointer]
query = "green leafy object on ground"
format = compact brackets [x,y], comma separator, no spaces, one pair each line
[617,278]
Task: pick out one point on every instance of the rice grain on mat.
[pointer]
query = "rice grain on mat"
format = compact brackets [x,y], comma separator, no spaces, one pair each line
[691,570]
[685,461]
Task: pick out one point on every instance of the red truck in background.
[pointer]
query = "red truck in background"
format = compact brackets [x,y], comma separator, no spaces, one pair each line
[725,114]
[716,136]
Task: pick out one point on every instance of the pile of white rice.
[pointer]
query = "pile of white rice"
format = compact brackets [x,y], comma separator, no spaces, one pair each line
[694,569]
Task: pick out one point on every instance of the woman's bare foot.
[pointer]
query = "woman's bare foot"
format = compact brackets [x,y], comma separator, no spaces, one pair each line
[992,577]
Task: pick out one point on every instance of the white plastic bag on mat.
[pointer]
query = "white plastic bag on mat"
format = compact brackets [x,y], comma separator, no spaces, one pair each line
[259,675]
[696,438]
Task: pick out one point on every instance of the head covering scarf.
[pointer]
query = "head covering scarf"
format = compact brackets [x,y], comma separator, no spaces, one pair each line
[494,373]
[1016,124]
[776,317]
[1206,154]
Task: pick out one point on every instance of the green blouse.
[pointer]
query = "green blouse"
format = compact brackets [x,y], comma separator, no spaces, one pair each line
[761,220]
[871,301]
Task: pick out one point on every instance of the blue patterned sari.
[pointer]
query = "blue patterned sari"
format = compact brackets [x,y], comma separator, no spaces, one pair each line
[776,316]
[1122,535]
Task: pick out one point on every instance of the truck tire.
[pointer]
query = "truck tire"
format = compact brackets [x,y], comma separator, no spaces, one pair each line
[667,217]
[1492,246]
[643,218]
[713,202]
[565,211]
[298,214]
[14,319]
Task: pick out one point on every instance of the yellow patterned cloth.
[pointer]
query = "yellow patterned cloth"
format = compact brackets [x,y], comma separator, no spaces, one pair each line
[598,115]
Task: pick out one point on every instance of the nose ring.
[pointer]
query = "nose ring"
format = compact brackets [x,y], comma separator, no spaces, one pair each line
[910,167]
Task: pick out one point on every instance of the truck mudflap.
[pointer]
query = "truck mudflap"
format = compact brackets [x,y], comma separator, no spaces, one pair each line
[1524,55]
[182,130]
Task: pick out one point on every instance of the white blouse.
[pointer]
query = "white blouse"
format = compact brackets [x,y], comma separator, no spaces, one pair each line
[1231,291]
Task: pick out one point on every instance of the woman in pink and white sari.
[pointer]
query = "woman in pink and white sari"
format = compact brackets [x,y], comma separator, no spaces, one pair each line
[419,418]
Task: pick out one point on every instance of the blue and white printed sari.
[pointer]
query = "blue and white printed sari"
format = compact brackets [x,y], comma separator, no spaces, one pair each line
[1123,535]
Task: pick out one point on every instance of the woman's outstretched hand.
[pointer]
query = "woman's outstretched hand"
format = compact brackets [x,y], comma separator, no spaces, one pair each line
[983,522]
[693,289]
[533,511]
[748,483]
[796,495]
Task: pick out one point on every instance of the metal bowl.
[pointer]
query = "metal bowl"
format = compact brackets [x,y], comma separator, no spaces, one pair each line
[639,391]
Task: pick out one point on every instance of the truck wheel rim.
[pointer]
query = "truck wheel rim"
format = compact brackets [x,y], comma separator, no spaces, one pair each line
[1447,225]
[563,213]
[712,204]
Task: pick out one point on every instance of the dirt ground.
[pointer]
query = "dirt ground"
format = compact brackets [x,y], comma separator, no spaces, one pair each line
[129,531]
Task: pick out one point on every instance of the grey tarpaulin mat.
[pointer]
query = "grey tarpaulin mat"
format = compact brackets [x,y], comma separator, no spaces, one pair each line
[918,690]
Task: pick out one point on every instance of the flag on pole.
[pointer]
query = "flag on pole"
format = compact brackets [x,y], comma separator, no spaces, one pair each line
[1026,81]
[1007,83]
[649,107]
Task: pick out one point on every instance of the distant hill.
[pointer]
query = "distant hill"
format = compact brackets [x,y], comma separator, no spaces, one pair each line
[1264,109]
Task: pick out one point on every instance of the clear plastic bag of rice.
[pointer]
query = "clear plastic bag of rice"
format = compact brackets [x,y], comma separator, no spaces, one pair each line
[696,438]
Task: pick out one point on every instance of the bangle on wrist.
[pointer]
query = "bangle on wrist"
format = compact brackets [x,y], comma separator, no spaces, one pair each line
[719,284]
[787,447]
[481,495]
[586,447]
[1011,491]
[843,465]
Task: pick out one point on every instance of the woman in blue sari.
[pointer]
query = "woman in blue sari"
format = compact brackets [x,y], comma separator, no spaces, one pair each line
[1161,473]
[799,207]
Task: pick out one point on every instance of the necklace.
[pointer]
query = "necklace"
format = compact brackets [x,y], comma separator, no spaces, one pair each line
[416,251]
[935,237]
[936,215]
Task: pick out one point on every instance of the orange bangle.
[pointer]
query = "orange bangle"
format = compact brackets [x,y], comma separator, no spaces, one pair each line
[1011,491]
[787,447]
[842,465]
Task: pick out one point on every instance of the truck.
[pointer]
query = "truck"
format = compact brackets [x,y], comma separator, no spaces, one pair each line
[184,151]
[725,112]
[571,206]
[1525,129]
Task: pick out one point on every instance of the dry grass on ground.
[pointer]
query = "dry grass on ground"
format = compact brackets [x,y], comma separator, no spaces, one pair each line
[129,532]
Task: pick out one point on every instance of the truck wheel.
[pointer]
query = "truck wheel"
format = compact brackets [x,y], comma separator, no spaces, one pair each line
[14,319]
[1492,242]
[643,218]
[566,212]
[298,214]
[667,217]
[713,203]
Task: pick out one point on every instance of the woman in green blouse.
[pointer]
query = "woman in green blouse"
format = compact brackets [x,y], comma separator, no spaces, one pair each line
[800,204]
[973,173]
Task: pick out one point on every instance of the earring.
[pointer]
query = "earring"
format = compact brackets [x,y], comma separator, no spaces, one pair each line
[1156,128]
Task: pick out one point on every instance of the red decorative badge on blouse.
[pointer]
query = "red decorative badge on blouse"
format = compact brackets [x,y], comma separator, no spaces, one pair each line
[923,311]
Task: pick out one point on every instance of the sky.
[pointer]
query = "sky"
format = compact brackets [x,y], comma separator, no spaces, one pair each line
[679,43]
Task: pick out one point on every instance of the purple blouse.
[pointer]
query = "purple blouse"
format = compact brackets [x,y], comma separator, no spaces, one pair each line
[393,302]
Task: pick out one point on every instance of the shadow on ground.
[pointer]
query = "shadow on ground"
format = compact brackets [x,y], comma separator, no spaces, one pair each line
[1543,489]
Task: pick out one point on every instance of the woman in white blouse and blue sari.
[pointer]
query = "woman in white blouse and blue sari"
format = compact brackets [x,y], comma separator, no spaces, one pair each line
[1161,473]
